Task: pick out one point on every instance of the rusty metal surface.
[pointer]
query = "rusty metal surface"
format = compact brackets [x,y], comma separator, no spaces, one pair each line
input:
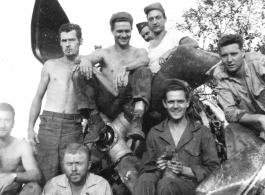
[239,174]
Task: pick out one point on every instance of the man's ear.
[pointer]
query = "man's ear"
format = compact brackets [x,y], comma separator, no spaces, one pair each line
[188,103]
[243,53]
[89,165]
[81,41]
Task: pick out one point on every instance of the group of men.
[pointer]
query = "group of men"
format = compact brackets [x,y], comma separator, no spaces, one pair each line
[77,90]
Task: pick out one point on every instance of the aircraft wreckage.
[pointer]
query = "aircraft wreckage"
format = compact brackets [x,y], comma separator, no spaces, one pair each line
[116,158]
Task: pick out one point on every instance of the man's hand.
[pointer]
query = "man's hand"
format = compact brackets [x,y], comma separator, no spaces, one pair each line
[86,67]
[164,58]
[119,79]
[5,182]
[33,139]
[175,166]
[161,163]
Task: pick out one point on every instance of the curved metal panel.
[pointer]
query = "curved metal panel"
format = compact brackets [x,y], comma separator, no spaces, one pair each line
[47,18]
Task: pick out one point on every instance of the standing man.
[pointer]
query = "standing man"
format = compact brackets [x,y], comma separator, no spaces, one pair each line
[123,85]
[17,163]
[76,179]
[60,120]
[241,92]
[195,145]
[145,31]
[165,43]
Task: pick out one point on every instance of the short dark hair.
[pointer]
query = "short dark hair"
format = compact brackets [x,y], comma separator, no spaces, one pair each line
[119,20]
[7,107]
[176,88]
[69,27]
[75,148]
[230,39]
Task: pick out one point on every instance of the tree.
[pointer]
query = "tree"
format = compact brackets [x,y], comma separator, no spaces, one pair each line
[214,18]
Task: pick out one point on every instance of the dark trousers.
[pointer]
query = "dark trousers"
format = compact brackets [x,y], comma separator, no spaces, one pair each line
[92,94]
[31,188]
[150,184]
[56,132]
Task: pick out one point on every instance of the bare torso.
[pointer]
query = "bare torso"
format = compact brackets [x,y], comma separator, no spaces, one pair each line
[60,91]
[10,160]
[114,59]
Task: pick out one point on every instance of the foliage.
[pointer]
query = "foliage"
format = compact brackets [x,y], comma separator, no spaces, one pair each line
[214,18]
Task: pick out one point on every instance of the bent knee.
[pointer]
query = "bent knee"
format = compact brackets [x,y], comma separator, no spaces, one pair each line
[76,74]
[31,188]
[144,71]
[148,178]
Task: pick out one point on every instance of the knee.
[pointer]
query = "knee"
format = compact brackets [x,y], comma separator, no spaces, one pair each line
[31,188]
[144,71]
[76,75]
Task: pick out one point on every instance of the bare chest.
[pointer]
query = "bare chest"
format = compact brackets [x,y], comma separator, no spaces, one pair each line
[10,161]
[61,75]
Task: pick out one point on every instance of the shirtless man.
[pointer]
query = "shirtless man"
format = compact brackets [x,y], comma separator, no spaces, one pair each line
[145,31]
[123,85]
[60,120]
[165,43]
[17,162]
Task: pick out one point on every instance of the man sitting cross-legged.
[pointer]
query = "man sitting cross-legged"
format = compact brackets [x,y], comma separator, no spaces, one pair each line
[123,85]
[17,163]
[77,180]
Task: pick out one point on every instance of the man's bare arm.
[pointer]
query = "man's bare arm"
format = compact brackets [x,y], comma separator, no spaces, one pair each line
[31,174]
[87,62]
[36,103]
[253,119]
[186,41]
[141,59]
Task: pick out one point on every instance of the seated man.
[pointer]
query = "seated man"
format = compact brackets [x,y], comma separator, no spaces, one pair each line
[145,31]
[240,87]
[123,85]
[165,43]
[194,143]
[17,163]
[77,179]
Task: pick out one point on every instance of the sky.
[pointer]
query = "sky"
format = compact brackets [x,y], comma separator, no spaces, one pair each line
[20,70]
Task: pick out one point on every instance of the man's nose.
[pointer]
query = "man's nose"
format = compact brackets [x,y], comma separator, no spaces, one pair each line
[176,105]
[229,58]
[74,167]
[67,43]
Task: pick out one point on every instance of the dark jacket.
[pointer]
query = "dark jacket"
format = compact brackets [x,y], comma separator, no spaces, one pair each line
[196,148]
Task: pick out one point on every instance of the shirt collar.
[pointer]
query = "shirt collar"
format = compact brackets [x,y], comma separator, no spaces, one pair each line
[222,73]
[64,182]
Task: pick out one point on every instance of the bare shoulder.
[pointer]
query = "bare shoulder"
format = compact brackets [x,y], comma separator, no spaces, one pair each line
[49,64]
[139,51]
[22,146]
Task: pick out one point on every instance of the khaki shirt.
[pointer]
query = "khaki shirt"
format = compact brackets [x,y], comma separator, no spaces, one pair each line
[196,149]
[235,99]
[95,185]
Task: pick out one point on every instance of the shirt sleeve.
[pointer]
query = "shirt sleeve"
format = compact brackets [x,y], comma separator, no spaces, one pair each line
[105,187]
[226,100]
[49,188]
[261,66]
[149,157]
[209,157]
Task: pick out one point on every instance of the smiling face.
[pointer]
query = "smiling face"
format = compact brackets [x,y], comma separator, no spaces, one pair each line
[6,123]
[147,34]
[176,104]
[76,167]
[122,33]
[156,21]
[70,43]
[232,57]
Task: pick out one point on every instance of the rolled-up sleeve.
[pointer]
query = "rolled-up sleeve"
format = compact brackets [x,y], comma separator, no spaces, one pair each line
[226,100]
[209,157]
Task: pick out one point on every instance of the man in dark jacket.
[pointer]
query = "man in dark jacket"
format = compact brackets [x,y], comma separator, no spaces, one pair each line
[194,143]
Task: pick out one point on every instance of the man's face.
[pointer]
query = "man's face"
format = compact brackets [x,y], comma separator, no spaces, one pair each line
[6,123]
[176,104]
[147,34]
[122,33]
[76,167]
[70,43]
[156,21]
[232,57]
